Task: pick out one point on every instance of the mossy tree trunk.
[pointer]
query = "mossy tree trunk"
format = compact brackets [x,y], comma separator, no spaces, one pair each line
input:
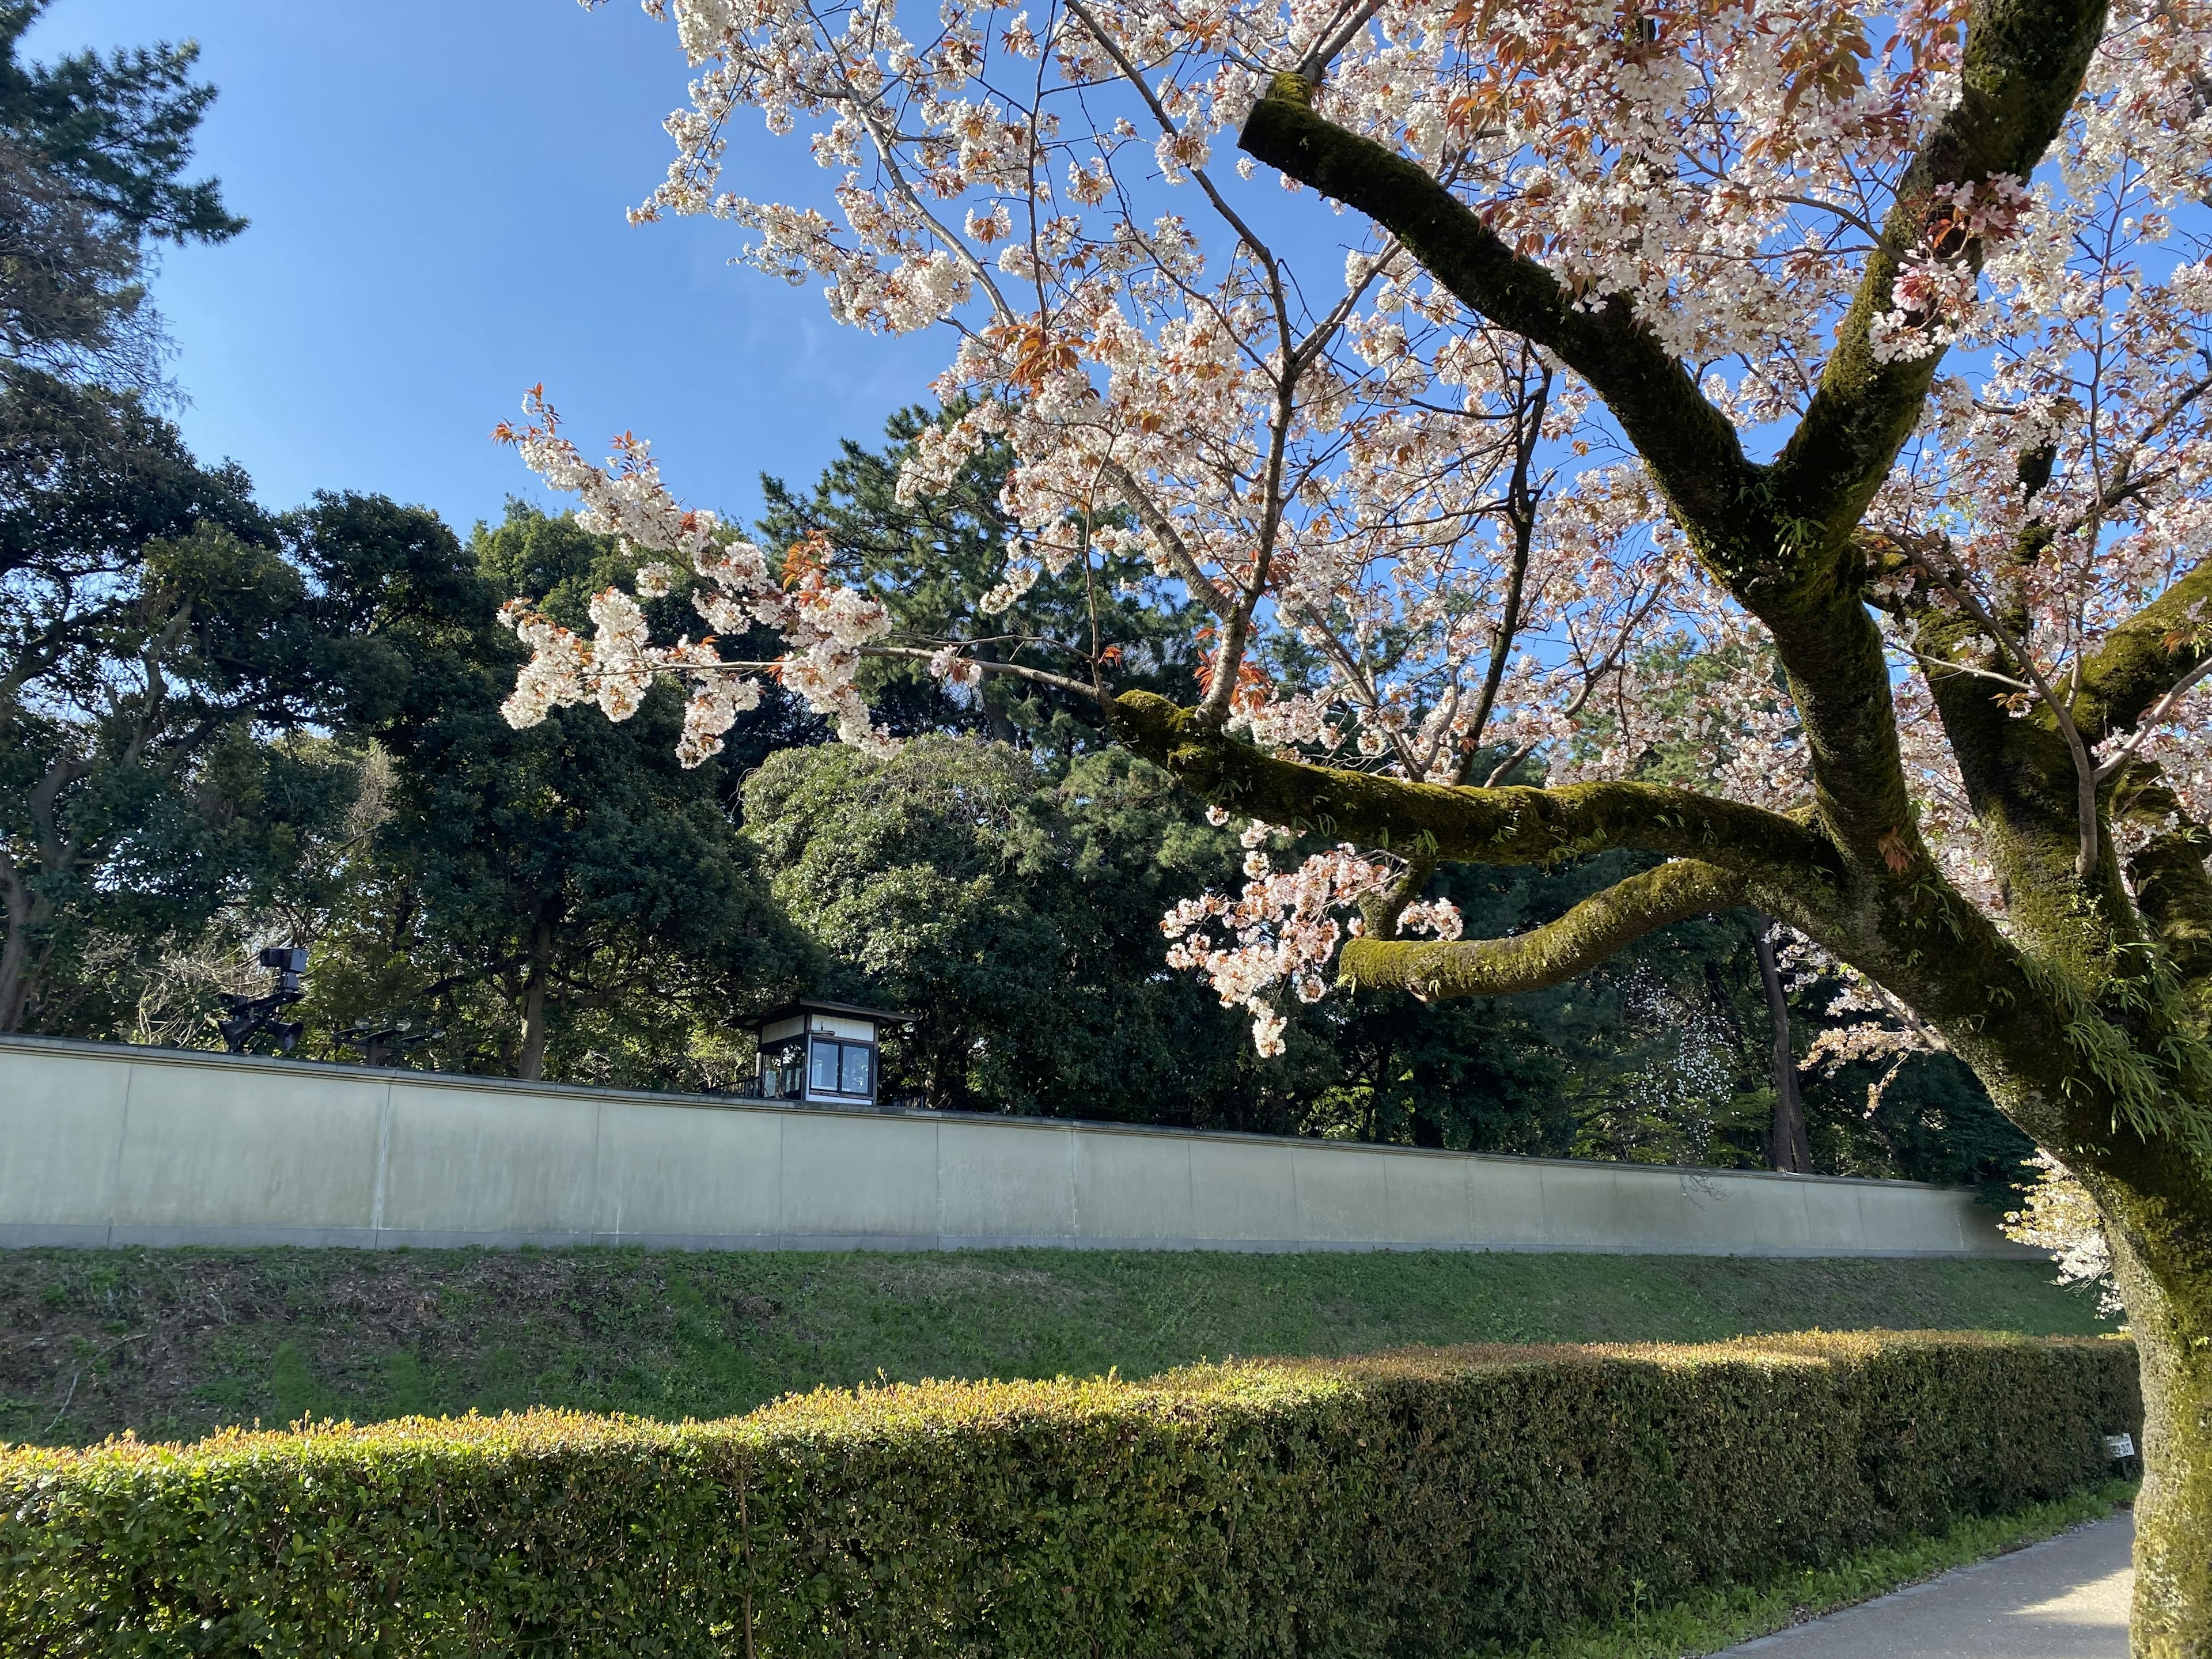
[2087,1015]
[2166,1282]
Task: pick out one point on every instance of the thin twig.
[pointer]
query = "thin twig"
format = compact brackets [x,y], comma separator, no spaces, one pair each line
[1324,51]
[66,1398]
[1060,682]
[753,665]
[2153,716]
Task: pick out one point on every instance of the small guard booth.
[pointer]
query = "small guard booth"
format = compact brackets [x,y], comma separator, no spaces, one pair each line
[824,1054]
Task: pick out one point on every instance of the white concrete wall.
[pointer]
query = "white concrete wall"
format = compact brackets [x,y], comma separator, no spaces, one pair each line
[105,1144]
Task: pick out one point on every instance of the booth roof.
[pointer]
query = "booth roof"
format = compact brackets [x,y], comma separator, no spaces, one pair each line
[810,1005]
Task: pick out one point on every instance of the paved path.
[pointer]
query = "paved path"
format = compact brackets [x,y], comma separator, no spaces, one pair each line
[2065,1599]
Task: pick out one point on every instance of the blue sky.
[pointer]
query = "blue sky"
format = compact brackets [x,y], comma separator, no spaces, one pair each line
[436,193]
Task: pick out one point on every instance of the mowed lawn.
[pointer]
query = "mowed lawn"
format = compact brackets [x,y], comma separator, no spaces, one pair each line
[172,1343]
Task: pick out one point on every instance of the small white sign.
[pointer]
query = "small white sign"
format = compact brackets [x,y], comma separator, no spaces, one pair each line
[2120,1446]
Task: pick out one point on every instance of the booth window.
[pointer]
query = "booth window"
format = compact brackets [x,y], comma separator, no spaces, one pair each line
[782,1069]
[842,1068]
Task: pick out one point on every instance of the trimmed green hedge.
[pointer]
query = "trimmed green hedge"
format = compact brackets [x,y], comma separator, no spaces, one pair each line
[1418,1503]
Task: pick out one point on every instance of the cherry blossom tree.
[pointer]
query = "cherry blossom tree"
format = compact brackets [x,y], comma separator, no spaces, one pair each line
[1551,384]
[2060,1219]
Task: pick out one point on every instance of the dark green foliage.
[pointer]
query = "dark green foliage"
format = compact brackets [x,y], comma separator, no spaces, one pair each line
[120,128]
[1526,1073]
[1661,1055]
[156,633]
[1476,1075]
[87,477]
[1413,1503]
[258,830]
[1932,1121]
[1017,914]
[570,887]
[144,613]
[1015,905]
[568,890]
[931,561]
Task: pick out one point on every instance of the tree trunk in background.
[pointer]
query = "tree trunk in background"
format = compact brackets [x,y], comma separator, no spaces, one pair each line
[1002,729]
[529,1063]
[1787,1147]
[14,977]
[16,966]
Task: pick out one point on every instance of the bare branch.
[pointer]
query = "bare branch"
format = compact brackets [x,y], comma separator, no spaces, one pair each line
[1165,532]
[984,664]
[2023,61]
[1521,513]
[1229,216]
[1020,670]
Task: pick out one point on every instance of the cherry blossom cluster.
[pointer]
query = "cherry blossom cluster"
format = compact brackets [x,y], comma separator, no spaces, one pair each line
[2061,1217]
[825,625]
[1283,929]
[1936,299]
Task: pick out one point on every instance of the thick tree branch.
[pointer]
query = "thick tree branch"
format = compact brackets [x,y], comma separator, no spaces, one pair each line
[2158,648]
[1512,825]
[1597,928]
[2023,779]
[2174,889]
[1807,598]
[1691,446]
[2057,712]
[2019,771]
[1777,537]
[2025,61]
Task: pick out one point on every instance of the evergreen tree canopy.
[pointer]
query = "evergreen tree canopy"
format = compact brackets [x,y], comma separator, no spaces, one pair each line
[93,153]
[570,889]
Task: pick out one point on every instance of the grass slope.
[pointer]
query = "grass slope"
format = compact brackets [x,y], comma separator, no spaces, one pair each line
[173,1343]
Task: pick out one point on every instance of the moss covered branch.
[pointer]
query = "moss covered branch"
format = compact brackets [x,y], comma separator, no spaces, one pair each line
[1587,935]
[1516,825]
[2024,63]
[2163,645]
[1806,594]
[2172,889]
[1778,537]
